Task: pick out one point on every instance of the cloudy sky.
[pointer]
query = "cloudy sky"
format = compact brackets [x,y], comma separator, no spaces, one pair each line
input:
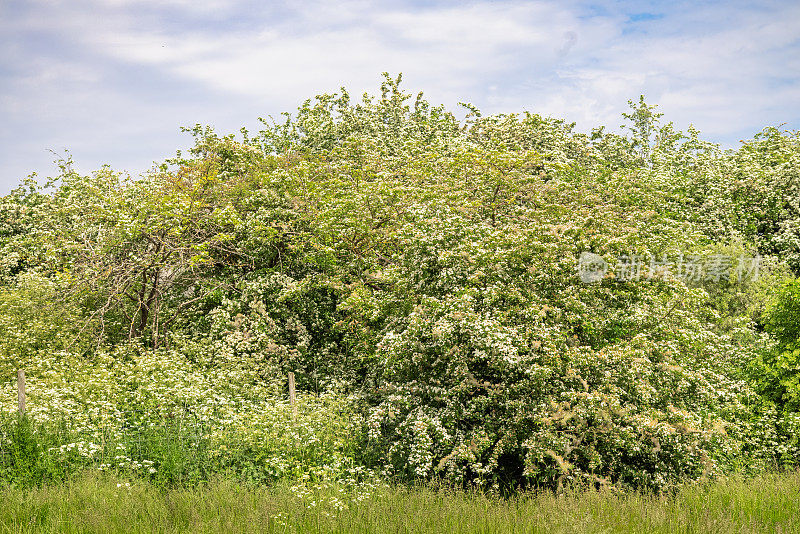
[112,81]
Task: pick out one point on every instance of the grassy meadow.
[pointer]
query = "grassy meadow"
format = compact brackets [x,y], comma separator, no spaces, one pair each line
[767,503]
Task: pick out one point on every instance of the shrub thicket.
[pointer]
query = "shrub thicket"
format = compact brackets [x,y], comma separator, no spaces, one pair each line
[419,274]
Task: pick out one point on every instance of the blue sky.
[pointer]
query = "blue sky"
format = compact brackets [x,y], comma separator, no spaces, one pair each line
[112,81]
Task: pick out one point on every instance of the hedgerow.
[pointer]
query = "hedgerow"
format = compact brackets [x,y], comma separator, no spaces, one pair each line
[420,276]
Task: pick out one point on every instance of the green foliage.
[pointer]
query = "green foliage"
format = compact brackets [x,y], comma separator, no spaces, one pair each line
[767,503]
[181,443]
[783,317]
[643,120]
[35,320]
[419,275]
[25,447]
[777,371]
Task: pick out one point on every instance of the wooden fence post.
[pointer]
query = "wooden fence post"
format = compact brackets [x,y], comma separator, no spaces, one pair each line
[21,391]
[292,397]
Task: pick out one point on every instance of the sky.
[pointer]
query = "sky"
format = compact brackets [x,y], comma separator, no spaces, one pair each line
[113,81]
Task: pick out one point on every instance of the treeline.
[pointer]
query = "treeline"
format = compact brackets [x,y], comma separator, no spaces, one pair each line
[420,274]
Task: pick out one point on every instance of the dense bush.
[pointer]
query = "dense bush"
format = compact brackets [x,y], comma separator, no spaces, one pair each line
[419,274]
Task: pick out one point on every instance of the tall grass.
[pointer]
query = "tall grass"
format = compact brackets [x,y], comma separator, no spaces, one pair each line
[38,453]
[176,452]
[99,503]
[168,481]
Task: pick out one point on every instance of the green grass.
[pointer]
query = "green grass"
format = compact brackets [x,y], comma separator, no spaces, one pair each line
[768,503]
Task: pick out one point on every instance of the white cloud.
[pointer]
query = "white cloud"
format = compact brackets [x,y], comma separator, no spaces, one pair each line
[280,60]
[117,68]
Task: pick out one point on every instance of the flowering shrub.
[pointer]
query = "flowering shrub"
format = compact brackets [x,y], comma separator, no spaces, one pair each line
[419,275]
[157,415]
